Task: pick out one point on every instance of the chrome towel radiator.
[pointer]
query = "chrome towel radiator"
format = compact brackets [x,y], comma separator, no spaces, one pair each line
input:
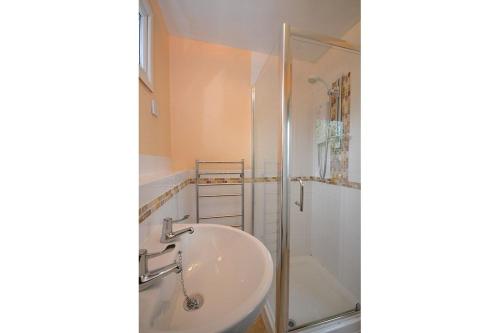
[241,183]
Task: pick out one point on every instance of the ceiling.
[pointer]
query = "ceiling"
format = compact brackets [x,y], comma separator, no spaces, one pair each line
[256,24]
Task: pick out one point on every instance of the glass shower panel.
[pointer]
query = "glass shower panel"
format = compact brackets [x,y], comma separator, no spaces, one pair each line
[266,144]
[324,276]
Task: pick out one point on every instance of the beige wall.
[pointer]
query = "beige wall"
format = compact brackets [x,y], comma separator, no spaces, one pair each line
[210,102]
[202,92]
[154,132]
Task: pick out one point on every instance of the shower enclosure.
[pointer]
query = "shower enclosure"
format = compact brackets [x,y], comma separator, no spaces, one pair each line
[306,179]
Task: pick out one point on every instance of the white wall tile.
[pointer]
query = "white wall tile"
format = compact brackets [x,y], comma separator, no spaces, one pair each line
[152,168]
[335,232]
[153,189]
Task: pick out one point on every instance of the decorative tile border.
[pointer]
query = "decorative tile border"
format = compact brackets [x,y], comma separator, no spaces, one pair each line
[235,180]
[220,180]
[332,181]
[263,180]
[146,210]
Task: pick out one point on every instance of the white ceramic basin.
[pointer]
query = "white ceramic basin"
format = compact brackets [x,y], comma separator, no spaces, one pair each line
[231,269]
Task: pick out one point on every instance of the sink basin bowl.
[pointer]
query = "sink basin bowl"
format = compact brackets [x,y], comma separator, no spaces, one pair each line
[231,269]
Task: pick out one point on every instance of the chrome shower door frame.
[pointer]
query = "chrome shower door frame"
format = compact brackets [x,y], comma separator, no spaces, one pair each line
[283,241]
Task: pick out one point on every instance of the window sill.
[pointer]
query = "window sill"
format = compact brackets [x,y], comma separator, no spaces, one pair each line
[144,79]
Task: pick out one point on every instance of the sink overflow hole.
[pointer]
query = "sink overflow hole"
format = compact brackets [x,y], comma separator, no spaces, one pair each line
[291,323]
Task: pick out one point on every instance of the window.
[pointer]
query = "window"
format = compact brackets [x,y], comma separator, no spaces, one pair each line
[145,41]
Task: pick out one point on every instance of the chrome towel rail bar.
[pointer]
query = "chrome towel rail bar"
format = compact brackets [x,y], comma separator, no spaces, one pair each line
[234,181]
[219,184]
[218,216]
[219,195]
[220,173]
[219,162]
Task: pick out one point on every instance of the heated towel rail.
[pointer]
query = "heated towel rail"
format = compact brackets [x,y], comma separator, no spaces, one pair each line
[241,182]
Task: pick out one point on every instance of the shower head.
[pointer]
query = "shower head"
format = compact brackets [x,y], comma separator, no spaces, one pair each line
[314,79]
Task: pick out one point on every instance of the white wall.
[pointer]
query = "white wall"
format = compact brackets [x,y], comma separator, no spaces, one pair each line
[302,119]
[152,168]
[267,136]
[258,60]
[335,232]
[300,222]
[266,215]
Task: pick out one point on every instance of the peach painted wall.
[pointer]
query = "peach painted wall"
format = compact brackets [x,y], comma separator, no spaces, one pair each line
[209,102]
[154,132]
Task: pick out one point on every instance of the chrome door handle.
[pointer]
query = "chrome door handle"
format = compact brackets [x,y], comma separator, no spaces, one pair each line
[301,202]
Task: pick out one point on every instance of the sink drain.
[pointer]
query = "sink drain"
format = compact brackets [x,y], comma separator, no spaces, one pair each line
[193,302]
[291,323]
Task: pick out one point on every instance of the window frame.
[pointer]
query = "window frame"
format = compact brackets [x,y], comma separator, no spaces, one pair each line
[145,44]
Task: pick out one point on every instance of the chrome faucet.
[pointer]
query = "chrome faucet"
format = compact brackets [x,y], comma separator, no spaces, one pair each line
[167,235]
[147,278]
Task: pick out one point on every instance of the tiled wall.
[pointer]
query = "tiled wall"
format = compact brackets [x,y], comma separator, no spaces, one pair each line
[177,205]
[335,64]
[175,196]
[335,232]
[158,193]
[154,194]
[266,214]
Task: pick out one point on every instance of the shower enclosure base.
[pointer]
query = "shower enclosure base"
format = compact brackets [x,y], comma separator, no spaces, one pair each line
[351,324]
[315,293]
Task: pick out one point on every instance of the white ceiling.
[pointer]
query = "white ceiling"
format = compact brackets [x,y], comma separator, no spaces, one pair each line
[255,24]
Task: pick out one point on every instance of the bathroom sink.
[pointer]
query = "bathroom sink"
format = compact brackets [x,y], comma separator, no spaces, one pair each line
[229,268]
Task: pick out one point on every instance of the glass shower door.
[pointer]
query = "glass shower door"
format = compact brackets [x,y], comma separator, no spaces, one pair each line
[266,143]
[308,135]
[324,269]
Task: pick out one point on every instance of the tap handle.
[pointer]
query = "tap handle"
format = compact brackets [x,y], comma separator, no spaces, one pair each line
[166,232]
[142,252]
[167,226]
[145,254]
[143,261]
